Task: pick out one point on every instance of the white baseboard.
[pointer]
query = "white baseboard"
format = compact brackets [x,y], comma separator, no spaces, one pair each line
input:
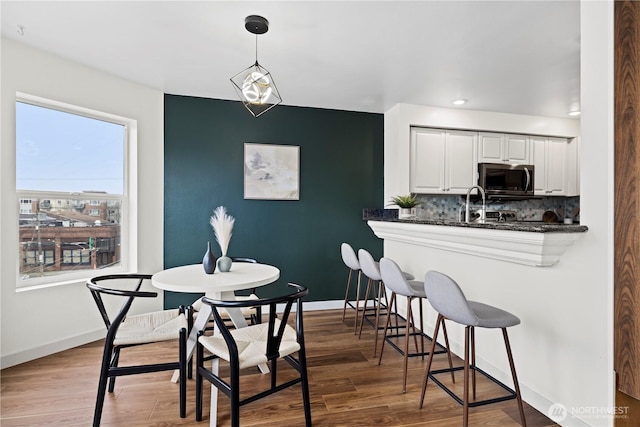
[48,349]
[323,305]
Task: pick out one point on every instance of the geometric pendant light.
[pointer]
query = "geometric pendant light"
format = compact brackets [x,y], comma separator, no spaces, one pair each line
[254,85]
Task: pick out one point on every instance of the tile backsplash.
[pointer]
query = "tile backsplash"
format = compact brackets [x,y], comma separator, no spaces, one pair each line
[449,207]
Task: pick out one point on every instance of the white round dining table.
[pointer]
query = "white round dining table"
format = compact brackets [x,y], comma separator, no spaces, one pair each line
[220,286]
[192,278]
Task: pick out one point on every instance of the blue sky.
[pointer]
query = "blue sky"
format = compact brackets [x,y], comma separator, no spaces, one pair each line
[58,151]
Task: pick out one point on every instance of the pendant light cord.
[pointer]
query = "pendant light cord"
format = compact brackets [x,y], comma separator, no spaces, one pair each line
[256,48]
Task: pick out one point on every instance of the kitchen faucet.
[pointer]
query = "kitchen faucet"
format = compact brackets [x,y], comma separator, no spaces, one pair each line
[467,213]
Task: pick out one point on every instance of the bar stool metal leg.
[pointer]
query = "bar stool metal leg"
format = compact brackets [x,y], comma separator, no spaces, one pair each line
[465,396]
[515,377]
[346,295]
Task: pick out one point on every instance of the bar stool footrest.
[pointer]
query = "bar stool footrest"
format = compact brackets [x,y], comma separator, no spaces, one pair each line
[441,350]
[511,395]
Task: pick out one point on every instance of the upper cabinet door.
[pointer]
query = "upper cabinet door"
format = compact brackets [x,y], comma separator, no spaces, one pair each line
[540,164]
[461,167]
[490,147]
[517,149]
[550,161]
[503,148]
[427,161]
[556,166]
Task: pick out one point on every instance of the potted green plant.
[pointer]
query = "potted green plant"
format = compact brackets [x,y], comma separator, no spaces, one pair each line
[406,204]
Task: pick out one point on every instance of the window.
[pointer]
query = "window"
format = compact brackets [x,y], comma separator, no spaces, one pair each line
[71,182]
[35,256]
[25,206]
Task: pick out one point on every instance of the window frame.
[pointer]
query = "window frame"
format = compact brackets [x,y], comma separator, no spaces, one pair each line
[128,220]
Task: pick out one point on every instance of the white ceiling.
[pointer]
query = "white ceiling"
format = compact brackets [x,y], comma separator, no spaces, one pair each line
[518,57]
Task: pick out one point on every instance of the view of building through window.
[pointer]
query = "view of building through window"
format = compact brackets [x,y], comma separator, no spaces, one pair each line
[70,185]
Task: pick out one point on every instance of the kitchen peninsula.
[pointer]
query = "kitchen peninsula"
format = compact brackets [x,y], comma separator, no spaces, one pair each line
[537,244]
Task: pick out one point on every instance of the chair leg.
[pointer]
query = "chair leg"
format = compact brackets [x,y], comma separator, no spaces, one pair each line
[102,383]
[274,372]
[357,302]
[473,361]
[386,325]
[199,365]
[182,357]
[413,325]
[234,380]
[465,395]
[380,291]
[516,386]
[115,358]
[446,343]
[406,344]
[346,295]
[189,312]
[430,359]
[302,361]
[364,310]
[421,328]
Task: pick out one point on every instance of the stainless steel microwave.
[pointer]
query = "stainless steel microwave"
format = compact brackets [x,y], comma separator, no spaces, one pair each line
[504,180]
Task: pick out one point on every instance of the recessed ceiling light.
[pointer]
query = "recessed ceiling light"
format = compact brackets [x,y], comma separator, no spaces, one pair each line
[574,113]
[459,101]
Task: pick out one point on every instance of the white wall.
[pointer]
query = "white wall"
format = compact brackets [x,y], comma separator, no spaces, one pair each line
[563,348]
[39,322]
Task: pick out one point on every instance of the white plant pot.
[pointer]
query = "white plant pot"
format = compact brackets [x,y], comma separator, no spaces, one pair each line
[406,213]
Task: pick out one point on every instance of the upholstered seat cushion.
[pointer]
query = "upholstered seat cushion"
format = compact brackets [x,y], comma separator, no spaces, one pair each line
[252,344]
[418,288]
[492,317]
[151,327]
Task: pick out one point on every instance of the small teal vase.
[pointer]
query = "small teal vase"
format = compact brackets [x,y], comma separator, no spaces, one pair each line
[224,264]
[209,260]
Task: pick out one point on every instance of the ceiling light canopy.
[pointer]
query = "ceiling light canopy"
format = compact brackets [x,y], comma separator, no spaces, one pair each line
[254,85]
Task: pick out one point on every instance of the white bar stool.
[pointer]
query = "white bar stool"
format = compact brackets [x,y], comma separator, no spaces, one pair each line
[449,301]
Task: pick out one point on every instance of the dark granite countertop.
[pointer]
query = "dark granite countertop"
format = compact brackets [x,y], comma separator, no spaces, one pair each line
[534,226]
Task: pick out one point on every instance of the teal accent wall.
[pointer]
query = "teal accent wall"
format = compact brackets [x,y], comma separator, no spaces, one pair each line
[341,172]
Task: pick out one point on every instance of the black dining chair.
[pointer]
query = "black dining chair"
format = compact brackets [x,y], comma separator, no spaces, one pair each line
[124,331]
[254,345]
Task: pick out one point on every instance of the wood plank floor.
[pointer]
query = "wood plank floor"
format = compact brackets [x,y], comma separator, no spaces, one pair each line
[348,388]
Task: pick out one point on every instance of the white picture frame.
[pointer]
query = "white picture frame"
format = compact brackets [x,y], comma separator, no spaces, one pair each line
[271,172]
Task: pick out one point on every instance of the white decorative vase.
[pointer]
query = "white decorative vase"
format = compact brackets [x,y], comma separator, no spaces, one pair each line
[224,264]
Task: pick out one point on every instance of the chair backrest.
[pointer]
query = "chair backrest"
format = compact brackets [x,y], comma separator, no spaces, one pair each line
[369,267]
[393,278]
[349,257]
[243,259]
[447,298]
[275,329]
[97,290]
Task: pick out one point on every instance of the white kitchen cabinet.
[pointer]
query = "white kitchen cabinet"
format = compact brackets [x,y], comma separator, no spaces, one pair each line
[442,161]
[504,148]
[551,166]
[573,167]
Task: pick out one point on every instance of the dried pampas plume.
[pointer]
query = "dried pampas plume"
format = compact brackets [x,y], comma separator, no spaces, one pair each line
[222,224]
